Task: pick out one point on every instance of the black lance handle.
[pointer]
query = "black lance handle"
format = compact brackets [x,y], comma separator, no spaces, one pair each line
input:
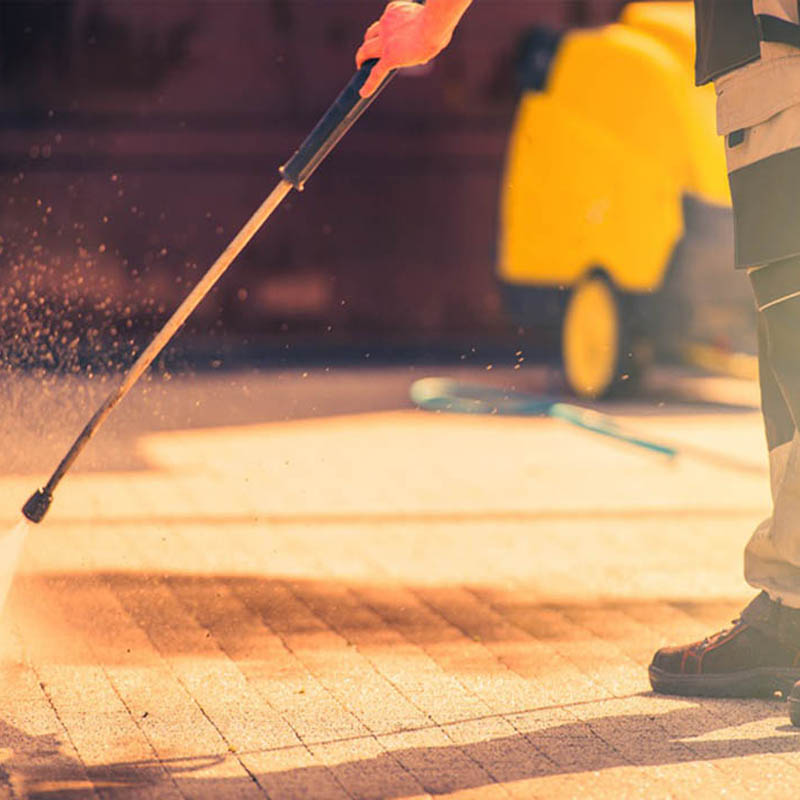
[339,118]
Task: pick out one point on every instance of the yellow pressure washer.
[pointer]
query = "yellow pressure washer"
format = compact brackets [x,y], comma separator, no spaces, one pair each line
[615,219]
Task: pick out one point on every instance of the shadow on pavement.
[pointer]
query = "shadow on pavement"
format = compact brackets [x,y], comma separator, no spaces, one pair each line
[36,767]
[87,618]
[90,612]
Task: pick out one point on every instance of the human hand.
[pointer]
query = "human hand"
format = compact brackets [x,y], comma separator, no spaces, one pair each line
[406,35]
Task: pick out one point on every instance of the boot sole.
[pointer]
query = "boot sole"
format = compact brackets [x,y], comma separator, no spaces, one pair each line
[759,682]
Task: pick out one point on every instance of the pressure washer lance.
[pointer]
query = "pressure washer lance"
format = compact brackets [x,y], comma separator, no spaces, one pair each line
[340,117]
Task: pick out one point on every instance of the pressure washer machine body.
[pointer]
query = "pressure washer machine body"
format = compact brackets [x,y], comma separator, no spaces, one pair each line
[615,219]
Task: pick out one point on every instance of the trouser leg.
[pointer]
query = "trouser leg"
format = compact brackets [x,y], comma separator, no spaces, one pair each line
[760,653]
[772,557]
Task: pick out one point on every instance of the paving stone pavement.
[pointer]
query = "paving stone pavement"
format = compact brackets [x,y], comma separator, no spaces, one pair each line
[319,592]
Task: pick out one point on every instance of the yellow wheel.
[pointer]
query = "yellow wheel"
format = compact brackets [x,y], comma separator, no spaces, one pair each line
[592,337]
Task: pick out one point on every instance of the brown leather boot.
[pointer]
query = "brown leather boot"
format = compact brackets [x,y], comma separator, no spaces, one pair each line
[758,656]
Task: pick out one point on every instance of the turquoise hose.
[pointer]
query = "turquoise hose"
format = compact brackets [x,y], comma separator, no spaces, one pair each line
[443,394]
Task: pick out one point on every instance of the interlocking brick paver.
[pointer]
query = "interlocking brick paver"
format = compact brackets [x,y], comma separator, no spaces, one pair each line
[367,769]
[34,740]
[96,720]
[381,605]
[181,739]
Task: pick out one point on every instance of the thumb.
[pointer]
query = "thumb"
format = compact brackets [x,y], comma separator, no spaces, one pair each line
[376,78]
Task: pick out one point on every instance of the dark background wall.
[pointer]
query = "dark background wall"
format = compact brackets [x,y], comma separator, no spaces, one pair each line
[138,135]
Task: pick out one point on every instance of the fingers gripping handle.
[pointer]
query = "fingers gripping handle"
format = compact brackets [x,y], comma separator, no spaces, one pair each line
[340,117]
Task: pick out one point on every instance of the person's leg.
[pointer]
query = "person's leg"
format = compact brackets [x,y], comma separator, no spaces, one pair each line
[772,557]
[760,653]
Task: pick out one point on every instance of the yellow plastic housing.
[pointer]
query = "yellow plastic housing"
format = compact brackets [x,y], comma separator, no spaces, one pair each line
[598,163]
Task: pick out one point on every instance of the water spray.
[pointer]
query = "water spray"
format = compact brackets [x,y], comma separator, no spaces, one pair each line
[339,118]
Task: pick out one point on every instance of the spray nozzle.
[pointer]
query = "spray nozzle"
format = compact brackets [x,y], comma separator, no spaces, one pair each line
[38,505]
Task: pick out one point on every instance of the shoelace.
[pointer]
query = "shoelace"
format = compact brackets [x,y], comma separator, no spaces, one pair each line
[701,647]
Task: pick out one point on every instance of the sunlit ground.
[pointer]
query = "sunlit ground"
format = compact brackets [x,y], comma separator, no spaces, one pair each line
[296,585]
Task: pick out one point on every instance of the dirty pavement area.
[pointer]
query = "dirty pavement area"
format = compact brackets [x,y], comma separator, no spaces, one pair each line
[293,584]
